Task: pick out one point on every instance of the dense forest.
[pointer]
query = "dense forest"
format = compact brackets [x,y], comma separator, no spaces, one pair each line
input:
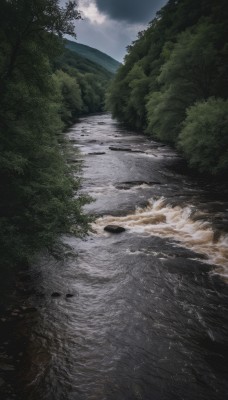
[173,84]
[44,88]
[82,84]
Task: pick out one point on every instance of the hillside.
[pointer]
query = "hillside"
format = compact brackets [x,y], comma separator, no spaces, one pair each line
[81,64]
[94,55]
[83,85]
[173,83]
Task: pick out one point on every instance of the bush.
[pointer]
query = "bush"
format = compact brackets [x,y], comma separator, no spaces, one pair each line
[204,137]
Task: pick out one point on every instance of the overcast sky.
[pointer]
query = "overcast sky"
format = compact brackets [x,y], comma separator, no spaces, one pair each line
[111,25]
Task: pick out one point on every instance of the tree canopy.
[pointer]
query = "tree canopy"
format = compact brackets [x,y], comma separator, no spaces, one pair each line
[178,62]
[38,193]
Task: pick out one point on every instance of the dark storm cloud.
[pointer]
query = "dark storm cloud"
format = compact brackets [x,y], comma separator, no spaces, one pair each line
[133,11]
[111,25]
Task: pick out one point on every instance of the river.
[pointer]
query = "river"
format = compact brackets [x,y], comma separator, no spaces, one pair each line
[142,314]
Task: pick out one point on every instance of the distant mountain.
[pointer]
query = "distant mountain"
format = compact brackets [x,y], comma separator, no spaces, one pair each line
[94,55]
[70,59]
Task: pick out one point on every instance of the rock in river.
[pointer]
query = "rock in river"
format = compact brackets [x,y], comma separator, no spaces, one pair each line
[114,229]
[127,149]
[55,294]
[96,153]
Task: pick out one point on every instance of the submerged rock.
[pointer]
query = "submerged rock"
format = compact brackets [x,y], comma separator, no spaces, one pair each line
[114,229]
[130,184]
[126,149]
[55,294]
[6,367]
[96,153]
[69,295]
[113,148]
[30,309]
[72,160]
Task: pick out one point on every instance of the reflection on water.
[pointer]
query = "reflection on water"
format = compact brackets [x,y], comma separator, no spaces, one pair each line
[184,224]
[145,320]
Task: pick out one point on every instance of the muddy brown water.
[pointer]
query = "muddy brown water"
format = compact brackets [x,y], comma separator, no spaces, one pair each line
[146,312]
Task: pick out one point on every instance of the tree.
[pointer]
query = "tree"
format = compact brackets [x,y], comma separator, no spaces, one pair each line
[194,60]
[29,27]
[72,105]
[138,84]
[179,60]
[37,188]
[204,136]
[190,73]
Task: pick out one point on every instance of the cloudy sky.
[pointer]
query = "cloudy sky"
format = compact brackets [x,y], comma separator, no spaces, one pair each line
[111,25]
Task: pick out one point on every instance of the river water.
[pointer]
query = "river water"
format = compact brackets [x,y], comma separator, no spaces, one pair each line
[147,317]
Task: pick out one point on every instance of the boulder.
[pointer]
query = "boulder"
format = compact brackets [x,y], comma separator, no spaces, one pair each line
[114,229]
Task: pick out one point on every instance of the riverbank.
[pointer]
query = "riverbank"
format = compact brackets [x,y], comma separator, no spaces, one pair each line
[15,312]
[146,316]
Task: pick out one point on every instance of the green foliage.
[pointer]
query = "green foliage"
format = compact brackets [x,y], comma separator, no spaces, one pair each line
[93,92]
[204,136]
[71,97]
[138,84]
[116,97]
[108,63]
[38,194]
[179,60]
[126,97]
[91,81]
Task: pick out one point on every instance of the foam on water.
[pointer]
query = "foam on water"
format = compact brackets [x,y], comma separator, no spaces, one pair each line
[161,219]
